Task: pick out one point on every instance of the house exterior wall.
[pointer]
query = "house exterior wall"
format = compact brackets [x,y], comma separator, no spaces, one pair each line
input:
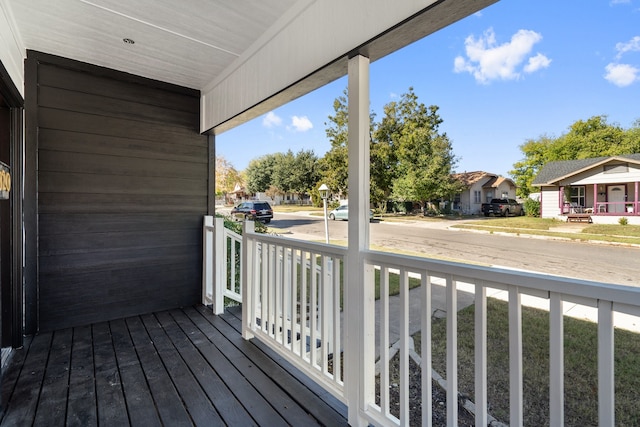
[505,188]
[549,201]
[121,191]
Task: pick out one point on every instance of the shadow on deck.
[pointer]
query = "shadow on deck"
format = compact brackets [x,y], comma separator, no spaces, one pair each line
[178,367]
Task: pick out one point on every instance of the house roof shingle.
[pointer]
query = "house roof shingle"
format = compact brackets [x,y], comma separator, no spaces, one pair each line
[556,170]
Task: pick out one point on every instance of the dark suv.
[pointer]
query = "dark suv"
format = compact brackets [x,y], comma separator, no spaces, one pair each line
[260,211]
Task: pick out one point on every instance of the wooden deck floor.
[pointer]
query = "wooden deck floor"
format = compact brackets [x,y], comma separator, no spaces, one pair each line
[174,368]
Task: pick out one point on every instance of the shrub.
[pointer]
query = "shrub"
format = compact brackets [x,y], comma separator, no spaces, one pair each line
[236,226]
[623,221]
[532,207]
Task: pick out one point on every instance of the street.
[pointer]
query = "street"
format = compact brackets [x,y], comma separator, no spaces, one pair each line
[581,260]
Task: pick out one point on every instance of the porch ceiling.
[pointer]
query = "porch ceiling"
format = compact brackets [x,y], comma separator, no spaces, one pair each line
[239,54]
[186,42]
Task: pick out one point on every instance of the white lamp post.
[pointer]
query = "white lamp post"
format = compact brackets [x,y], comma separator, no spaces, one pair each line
[324,193]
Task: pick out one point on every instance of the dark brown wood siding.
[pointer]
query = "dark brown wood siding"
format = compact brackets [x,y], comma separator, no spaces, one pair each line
[122,177]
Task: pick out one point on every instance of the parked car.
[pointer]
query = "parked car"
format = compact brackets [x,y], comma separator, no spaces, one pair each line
[260,211]
[342,212]
[502,207]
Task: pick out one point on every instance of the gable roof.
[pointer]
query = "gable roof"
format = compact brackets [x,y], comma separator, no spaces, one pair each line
[553,172]
[492,180]
[469,178]
[497,180]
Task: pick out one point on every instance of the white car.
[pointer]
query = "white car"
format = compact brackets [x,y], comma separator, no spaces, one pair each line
[342,212]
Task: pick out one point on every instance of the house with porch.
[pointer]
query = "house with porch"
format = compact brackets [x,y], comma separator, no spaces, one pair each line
[113,273]
[481,187]
[604,188]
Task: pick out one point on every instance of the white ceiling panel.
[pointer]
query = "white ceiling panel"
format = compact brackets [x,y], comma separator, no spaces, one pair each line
[187,42]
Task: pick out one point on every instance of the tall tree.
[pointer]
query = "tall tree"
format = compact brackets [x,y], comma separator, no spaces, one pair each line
[334,165]
[259,173]
[425,158]
[295,173]
[585,139]
[226,177]
[525,170]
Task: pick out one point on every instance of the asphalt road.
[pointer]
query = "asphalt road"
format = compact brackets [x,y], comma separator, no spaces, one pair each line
[582,260]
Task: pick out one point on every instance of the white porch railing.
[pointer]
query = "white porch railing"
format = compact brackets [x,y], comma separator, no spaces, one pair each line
[228,273]
[292,300]
[293,303]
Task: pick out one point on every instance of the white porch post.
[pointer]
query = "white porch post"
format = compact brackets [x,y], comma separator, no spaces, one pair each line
[359,294]
[220,264]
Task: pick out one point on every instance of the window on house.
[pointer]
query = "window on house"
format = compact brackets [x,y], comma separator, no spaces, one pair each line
[578,195]
[477,197]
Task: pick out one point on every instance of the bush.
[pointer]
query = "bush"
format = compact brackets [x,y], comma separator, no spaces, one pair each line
[236,226]
[532,207]
[623,221]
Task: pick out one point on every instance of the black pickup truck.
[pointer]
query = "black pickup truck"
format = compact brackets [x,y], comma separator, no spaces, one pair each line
[502,207]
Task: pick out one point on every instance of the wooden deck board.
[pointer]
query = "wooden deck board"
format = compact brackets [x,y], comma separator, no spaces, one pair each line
[178,367]
[282,402]
[231,411]
[329,415]
[112,410]
[53,410]
[81,405]
[21,408]
[138,399]
[165,395]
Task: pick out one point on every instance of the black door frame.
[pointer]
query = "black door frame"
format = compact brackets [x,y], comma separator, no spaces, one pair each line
[14,100]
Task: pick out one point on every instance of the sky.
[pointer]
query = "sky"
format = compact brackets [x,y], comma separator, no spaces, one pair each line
[516,71]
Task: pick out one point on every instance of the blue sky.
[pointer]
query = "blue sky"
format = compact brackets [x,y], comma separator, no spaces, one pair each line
[517,70]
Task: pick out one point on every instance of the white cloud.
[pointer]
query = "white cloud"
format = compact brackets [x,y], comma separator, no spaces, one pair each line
[271,120]
[301,124]
[613,2]
[536,63]
[632,45]
[622,74]
[486,60]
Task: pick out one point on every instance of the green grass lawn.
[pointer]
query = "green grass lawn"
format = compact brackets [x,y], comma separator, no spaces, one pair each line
[616,233]
[580,339]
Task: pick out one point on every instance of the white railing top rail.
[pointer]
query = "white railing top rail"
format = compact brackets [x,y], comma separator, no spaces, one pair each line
[318,248]
[537,283]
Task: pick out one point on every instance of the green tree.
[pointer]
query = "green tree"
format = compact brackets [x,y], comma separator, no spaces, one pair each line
[259,173]
[334,165]
[425,158]
[585,139]
[295,173]
[525,170]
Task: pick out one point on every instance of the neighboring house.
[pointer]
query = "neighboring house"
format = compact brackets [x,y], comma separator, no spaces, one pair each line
[604,187]
[481,187]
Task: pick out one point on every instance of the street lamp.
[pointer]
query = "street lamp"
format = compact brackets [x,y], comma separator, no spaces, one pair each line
[324,193]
